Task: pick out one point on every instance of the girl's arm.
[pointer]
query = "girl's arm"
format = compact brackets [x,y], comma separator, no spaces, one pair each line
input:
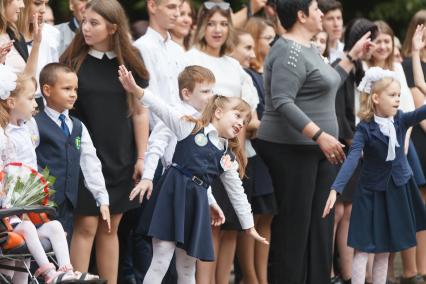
[31,66]
[418,43]
[172,118]
[140,120]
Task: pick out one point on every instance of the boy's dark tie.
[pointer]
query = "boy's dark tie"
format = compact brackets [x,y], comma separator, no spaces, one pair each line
[64,126]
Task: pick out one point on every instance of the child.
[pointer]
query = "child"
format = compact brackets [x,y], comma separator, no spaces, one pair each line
[387,209]
[17,104]
[195,89]
[320,40]
[65,147]
[201,155]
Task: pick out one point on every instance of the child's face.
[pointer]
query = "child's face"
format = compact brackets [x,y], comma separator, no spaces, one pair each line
[77,7]
[13,9]
[200,96]
[23,106]
[320,40]
[230,121]
[387,102]
[63,94]
[165,12]
[383,47]
[244,51]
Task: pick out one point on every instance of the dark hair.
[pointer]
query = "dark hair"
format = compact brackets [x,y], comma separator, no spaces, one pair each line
[354,31]
[329,5]
[287,11]
[192,75]
[49,74]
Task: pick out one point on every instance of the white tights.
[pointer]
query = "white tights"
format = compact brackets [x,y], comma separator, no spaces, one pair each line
[52,231]
[359,266]
[162,255]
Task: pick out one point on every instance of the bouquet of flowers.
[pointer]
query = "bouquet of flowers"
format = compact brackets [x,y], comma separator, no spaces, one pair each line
[24,186]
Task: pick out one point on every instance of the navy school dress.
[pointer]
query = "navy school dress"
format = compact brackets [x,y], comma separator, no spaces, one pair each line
[387,209]
[178,209]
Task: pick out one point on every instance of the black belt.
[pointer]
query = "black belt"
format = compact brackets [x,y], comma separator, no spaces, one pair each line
[187,173]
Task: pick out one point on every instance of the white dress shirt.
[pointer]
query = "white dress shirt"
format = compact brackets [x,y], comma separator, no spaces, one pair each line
[182,129]
[24,140]
[336,53]
[163,59]
[89,162]
[66,35]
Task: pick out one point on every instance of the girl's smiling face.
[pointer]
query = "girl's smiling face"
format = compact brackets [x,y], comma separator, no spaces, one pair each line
[231,119]
[217,31]
[383,47]
[13,9]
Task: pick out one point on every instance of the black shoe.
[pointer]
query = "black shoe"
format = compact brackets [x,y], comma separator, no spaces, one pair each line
[336,280]
[413,280]
[129,280]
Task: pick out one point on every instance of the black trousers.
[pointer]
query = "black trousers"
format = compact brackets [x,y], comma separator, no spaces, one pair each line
[301,241]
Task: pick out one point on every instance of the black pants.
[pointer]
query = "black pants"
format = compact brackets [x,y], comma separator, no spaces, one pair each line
[301,241]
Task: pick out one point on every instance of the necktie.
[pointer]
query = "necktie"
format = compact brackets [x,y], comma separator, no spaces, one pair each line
[64,126]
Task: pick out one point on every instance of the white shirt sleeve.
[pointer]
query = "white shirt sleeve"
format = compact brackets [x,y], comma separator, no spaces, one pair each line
[168,115]
[159,139]
[234,188]
[92,169]
[248,90]
[210,196]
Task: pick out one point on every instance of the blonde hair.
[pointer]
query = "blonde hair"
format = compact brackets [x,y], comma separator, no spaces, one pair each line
[24,25]
[4,23]
[367,107]
[204,16]
[127,54]
[21,83]
[222,102]
[384,28]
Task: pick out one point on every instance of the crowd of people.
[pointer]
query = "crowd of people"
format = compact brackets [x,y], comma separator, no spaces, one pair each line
[274,143]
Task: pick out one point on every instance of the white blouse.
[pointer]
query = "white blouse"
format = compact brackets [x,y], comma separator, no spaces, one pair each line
[182,129]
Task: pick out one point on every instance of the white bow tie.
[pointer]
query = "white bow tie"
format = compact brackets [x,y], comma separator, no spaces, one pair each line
[388,129]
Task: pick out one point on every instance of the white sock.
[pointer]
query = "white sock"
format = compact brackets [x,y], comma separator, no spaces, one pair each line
[54,232]
[162,255]
[185,266]
[380,268]
[359,267]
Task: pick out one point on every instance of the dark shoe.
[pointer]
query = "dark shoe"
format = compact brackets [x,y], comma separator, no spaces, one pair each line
[349,281]
[413,280]
[335,280]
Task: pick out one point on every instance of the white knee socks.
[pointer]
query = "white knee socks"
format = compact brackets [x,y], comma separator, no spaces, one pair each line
[185,266]
[380,268]
[359,266]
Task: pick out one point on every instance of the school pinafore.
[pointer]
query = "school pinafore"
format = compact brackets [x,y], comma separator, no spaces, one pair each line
[178,209]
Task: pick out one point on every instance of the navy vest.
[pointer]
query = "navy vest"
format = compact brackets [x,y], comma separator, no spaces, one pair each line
[61,155]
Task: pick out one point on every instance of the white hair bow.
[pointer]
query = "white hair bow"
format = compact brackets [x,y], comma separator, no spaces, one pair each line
[7,81]
[373,75]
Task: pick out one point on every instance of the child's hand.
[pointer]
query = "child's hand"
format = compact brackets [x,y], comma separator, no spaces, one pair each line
[218,218]
[252,232]
[128,82]
[330,203]
[418,42]
[145,186]
[4,50]
[106,216]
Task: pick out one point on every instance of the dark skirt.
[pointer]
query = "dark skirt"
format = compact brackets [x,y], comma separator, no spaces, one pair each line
[231,219]
[413,160]
[386,221]
[178,211]
[418,136]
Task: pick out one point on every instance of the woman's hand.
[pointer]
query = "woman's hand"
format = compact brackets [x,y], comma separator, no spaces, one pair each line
[361,47]
[252,232]
[330,203]
[145,186]
[332,148]
[418,41]
[217,216]
[128,82]
[4,50]
[37,30]
[106,216]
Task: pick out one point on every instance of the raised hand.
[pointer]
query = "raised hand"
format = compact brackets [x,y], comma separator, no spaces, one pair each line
[252,232]
[217,216]
[330,203]
[37,30]
[4,50]
[418,41]
[361,47]
[129,84]
[145,186]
